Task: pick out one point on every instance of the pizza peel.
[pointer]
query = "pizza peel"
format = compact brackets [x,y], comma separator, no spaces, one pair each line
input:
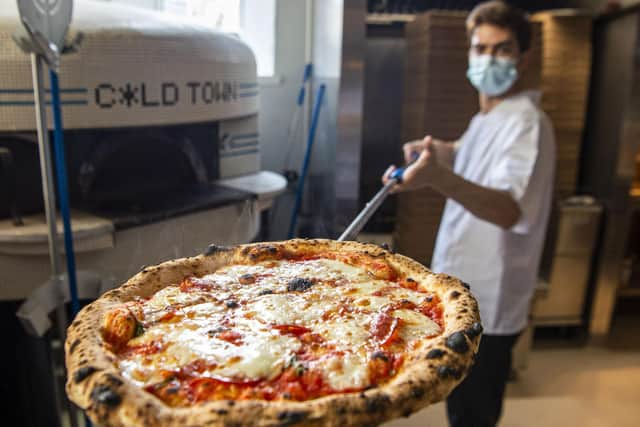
[372,206]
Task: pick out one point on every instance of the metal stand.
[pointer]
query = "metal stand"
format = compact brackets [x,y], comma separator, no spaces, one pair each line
[45,27]
[46,168]
[48,192]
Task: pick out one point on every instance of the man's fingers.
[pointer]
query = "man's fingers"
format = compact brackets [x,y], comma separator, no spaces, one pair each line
[387,174]
[424,156]
[407,153]
[407,178]
[428,144]
[386,177]
[411,150]
[408,150]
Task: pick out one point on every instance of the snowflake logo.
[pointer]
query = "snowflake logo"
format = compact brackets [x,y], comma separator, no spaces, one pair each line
[129,95]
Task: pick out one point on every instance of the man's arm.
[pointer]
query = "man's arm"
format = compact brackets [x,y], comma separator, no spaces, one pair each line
[446,152]
[495,206]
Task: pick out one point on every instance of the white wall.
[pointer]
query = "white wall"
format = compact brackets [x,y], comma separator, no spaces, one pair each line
[277,99]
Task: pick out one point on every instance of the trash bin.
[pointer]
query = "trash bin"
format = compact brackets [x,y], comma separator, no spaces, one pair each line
[565,274]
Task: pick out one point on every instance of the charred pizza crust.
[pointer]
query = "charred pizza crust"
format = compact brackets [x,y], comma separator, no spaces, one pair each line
[428,375]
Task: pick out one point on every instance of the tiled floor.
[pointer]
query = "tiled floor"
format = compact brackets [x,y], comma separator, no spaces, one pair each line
[585,386]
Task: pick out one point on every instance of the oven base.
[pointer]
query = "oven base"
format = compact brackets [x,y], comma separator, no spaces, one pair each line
[116,255]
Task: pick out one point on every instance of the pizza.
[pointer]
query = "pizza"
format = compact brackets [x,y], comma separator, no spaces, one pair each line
[300,332]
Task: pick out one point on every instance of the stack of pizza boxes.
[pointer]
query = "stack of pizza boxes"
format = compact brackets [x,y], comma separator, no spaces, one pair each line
[438,101]
[566,71]
[532,78]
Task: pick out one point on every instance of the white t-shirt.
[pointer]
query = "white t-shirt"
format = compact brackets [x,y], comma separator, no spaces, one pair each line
[510,148]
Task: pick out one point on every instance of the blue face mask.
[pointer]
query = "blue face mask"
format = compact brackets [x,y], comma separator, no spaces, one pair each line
[490,75]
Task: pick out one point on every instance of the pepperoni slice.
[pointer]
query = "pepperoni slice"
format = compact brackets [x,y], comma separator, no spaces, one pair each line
[295,330]
[230,336]
[152,347]
[385,329]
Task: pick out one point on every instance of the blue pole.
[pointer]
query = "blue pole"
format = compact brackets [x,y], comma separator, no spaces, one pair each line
[63,191]
[295,120]
[307,159]
[307,75]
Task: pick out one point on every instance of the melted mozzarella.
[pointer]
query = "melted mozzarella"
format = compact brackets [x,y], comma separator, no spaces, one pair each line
[260,351]
[347,372]
[280,309]
[416,325]
[291,308]
[346,333]
[335,269]
[369,286]
[370,302]
[261,356]
[166,300]
[281,272]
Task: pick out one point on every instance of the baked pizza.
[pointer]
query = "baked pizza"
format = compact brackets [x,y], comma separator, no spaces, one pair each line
[301,332]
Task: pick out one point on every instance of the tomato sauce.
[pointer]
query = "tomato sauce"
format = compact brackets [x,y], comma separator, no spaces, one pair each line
[294,383]
[299,381]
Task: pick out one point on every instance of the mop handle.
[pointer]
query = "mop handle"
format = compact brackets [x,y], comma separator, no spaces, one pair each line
[305,78]
[293,125]
[63,191]
[307,159]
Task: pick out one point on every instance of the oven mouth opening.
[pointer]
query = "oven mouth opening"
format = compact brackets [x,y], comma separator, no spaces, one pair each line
[136,174]
[138,178]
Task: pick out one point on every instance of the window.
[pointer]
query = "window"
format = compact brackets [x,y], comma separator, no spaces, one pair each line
[252,20]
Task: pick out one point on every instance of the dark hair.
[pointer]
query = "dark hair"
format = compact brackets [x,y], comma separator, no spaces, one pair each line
[503,15]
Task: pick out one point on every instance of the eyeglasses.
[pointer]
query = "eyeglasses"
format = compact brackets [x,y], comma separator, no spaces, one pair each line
[506,48]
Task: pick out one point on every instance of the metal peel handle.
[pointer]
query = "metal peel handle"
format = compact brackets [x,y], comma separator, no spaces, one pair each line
[370,208]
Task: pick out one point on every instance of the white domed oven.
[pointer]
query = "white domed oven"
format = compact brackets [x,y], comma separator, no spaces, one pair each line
[162,144]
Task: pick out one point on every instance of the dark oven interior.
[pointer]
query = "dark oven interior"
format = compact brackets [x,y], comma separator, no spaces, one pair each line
[123,171]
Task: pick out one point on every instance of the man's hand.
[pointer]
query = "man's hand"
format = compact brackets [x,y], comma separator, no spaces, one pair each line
[446,151]
[423,172]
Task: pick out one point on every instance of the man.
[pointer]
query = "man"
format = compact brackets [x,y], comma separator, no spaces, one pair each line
[499,194]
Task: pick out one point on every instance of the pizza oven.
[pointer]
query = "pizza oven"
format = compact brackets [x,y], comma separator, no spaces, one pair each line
[161,136]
